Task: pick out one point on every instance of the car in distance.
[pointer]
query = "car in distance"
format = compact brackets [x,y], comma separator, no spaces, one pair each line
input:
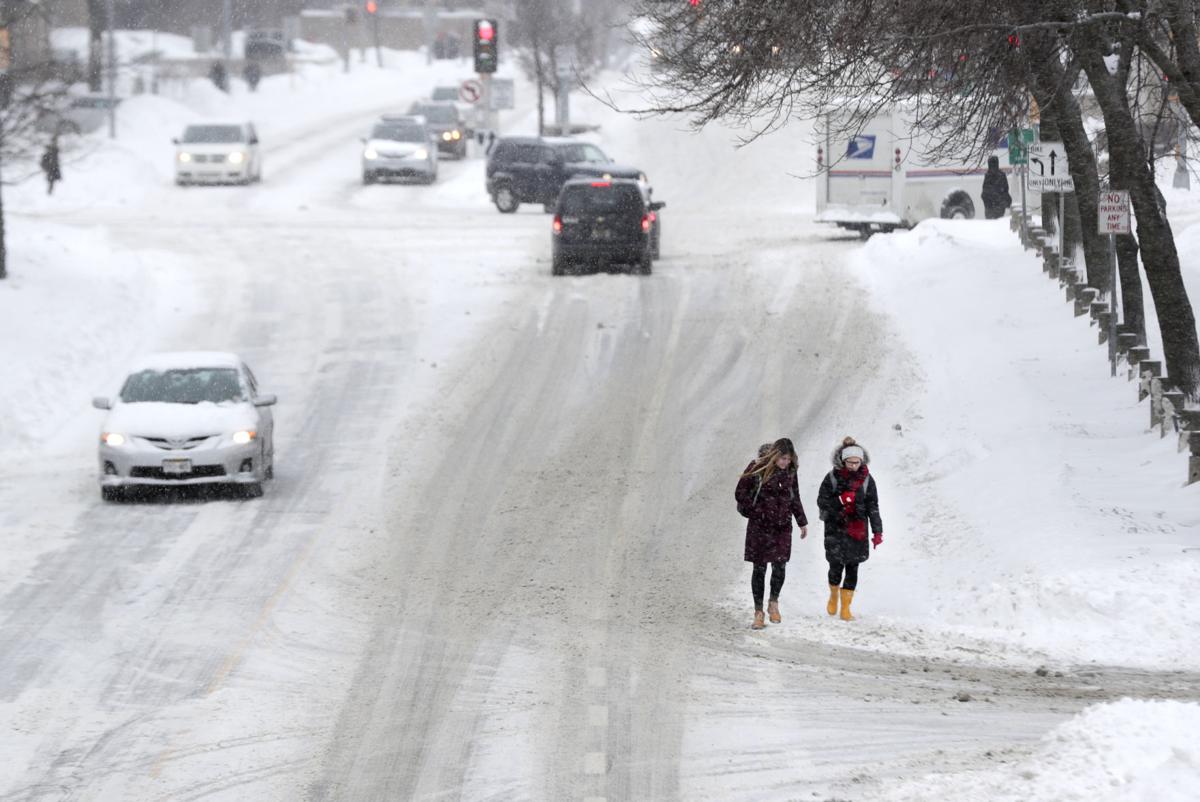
[187,418]
[602,222]
[81,114]
[532,169]
[218,153]
[446,124]
[399,147]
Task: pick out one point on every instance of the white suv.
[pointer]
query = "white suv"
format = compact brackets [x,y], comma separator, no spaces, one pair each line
[218,153]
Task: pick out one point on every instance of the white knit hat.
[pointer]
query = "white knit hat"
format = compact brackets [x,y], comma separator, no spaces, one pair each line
[853,451]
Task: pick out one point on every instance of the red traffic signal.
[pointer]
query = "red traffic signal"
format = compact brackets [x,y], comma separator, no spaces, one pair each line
[485,31]
[372,6]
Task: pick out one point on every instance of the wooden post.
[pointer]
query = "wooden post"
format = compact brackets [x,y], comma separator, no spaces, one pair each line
[1155,390]
[1135,357]
[1150,369]
[1126,341]
[1085,296]
[1194,458]
[1096,309]
[1104,321]
[1172,405]
[1189,426]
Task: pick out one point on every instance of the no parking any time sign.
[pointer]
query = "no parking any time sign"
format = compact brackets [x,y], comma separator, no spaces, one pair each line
[1114,212]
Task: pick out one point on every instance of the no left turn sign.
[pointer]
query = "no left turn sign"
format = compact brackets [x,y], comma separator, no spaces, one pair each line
[470,91]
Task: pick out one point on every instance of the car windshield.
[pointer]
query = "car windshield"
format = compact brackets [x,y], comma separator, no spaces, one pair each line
[610,199]
[399,132]
[183,386]
[212,134]
[443,115]
[445,93]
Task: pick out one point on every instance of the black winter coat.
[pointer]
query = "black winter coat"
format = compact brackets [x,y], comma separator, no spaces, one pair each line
[839,546]
[771,508]
[995,195]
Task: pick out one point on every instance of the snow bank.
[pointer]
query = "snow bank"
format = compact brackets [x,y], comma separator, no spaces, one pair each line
[1119,751]
[1025,497]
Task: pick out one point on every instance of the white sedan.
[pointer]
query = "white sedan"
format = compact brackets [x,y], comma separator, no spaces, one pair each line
[218,154]
[187,418]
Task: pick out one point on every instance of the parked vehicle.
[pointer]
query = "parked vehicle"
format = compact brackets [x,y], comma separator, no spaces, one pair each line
[603,222]
[399,147]
[533,169]
[81,114]
[224,153]
[880,180]
[446,123]
[187,418]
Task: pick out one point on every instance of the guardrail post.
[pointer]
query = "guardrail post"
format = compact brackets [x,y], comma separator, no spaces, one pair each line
[1133,358]
[1189,426]
[1103,321]
[1172,405]
[1147,371]
[1194,458]
[1084,298]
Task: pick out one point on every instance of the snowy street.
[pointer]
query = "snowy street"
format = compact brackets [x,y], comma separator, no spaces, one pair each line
[499,558]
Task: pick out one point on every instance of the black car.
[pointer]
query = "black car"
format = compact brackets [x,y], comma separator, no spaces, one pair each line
[598,222]
[534,169]
[446,124]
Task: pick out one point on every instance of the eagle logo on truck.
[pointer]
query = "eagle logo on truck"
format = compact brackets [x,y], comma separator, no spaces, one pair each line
[861,147]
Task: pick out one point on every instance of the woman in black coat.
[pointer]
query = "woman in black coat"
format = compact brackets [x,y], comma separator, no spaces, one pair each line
[848,501]
[769,496]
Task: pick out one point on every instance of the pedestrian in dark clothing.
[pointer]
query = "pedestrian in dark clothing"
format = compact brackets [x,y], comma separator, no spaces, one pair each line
[253,74]
[769,496]
[51,166]
[219,76]
[995,190]
[848,501]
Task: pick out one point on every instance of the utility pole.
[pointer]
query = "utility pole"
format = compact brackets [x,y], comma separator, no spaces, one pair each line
[112,69]
[227,31]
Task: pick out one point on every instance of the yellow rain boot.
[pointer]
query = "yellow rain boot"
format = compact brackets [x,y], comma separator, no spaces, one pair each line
[847,596]
[759,623]
[773,611]
[831,608]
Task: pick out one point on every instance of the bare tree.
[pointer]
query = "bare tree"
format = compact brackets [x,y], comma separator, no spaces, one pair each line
[966,69]
[29,91]
[540,29]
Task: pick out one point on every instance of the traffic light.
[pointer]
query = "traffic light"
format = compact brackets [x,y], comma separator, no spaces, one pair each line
[372,6]
[485,45]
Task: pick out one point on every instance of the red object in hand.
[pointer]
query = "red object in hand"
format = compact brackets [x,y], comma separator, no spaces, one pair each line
[877,539]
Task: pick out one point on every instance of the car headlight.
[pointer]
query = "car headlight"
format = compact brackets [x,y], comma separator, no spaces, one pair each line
[243,437]
[185,157]
[456,134]
[237,157]
[370,153]
[112,439]
[446,136]
[420,153]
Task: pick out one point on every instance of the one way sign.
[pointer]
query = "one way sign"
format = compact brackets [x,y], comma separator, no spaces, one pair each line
[1048,169]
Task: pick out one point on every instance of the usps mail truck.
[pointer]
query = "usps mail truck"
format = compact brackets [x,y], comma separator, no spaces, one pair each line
[879,178]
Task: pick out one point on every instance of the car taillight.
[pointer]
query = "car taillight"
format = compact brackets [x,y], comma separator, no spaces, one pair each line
[602,183]
[646,223]
[653,216]
[557,224]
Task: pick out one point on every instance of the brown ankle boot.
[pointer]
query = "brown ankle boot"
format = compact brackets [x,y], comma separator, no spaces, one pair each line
[773,611]
[759,623]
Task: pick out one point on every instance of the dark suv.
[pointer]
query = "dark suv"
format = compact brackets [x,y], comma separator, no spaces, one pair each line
[600,222]
[446,124]
[533,169]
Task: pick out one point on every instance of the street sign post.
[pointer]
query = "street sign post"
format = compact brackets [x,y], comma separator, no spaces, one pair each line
[1019,142]
[1113,218]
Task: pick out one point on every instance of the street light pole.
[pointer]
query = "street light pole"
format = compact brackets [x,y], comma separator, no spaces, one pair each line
[112,69]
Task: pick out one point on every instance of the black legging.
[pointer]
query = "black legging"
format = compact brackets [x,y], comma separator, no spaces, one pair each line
[835,575]
[758,580]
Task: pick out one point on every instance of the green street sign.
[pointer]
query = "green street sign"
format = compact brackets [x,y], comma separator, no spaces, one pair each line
[1019,142]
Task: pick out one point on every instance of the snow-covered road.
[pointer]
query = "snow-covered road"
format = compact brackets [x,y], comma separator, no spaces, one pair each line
[494,561]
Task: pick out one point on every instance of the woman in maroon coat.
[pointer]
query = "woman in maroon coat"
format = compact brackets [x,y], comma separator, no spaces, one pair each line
[769,496]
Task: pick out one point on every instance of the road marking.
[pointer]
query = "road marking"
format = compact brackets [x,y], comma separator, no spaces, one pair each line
[597,677]
[598,715]
[268,609]
[595,763]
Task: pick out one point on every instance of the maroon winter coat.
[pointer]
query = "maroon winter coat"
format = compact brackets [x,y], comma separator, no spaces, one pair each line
[769,528]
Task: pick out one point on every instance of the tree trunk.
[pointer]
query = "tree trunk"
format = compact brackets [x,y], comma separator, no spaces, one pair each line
[538,68]
[1133,308]
[1084,171]
[1176,321]
[3,239]
[97,22]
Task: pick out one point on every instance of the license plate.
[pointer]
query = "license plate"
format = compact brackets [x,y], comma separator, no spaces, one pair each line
[602,233]
[177,466]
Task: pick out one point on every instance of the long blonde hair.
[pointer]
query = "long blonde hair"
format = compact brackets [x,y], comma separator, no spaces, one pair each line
[765,466]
